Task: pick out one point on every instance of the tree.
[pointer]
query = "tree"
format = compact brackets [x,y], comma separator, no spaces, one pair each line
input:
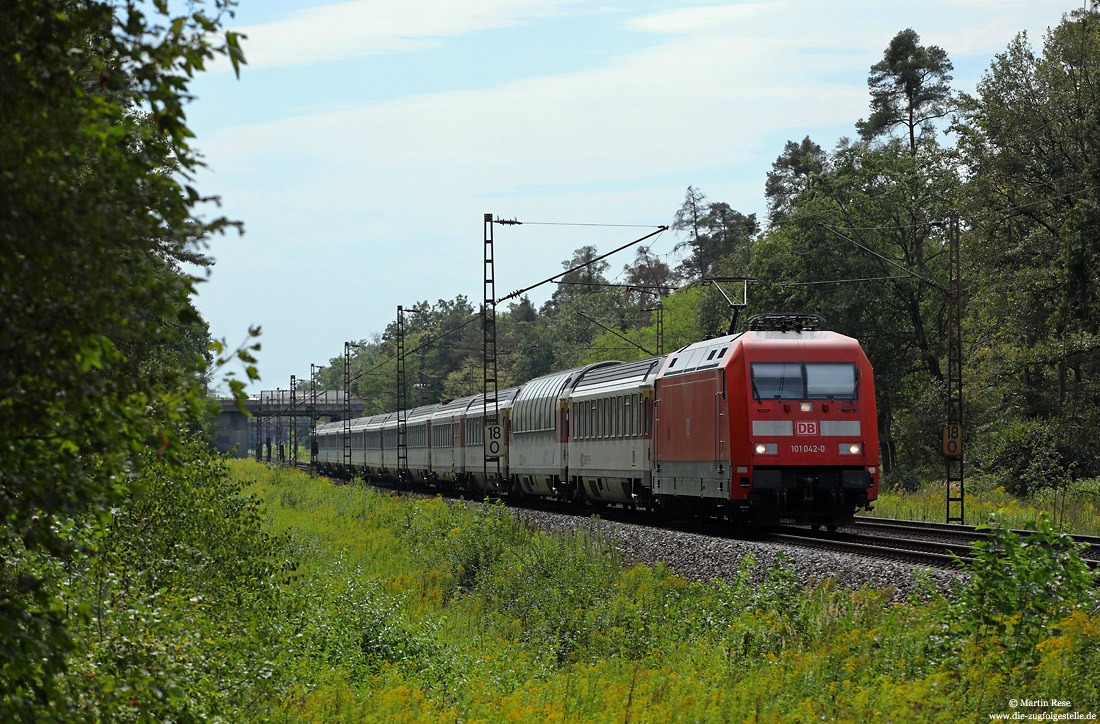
[96,211]
[647,271]
[1030,140]
[909,87]
[713,231]
[650,279]
[791,174]
[689,217]
[585,278]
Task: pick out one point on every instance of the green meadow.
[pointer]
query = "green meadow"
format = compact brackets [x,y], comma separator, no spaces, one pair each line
[1071,507]
[424,610]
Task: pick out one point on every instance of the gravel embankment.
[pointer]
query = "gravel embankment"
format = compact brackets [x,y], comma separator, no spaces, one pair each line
[703,558]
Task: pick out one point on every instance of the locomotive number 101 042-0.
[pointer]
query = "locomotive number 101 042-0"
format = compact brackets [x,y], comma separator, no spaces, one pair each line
[807,448]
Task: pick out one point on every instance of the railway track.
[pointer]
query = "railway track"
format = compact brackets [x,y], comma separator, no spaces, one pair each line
[956,532]
[938,545]
[938,554]
[922,542]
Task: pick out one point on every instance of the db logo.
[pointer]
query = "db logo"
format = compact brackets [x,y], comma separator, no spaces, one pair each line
[805,428]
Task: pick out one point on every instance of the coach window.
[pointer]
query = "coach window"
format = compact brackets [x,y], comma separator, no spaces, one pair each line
[629,432]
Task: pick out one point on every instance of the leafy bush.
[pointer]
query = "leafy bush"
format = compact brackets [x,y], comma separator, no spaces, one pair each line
[1021,587]
[180,602]
[1026,454]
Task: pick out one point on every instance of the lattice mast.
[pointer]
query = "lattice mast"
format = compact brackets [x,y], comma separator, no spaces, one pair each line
[402,400]
[490,409]
[953,438]
[347,406]
[294,420]
[312,417]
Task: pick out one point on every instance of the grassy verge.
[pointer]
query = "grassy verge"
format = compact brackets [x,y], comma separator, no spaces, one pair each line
[421,611]
[1072,508]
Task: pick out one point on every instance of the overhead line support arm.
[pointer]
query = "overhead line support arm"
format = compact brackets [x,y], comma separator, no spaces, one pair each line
[514,294]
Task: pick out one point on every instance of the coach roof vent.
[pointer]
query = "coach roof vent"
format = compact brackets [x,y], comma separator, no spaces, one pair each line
[786,322]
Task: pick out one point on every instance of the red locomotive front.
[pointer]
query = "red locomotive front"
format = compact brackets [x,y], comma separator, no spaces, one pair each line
[778,421]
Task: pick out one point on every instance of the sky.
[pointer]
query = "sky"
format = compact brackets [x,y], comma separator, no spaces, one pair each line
[365,140]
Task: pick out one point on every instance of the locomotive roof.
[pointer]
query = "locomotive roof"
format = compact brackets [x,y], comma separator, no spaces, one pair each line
[708,354]
[799,340]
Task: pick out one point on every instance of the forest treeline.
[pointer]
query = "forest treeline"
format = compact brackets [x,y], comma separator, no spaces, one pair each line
[1018,162]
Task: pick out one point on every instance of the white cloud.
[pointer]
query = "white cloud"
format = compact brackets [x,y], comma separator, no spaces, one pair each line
[695,103]
[708,19]
[362,27]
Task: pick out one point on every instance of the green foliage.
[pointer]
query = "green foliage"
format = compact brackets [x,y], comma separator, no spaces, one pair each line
[1022,586]
[793,171]
[180,608]
[1027,455]
[1029,139]
[420,610]
[104,354]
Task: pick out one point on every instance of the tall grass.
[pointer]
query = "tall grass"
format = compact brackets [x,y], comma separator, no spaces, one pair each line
[1072,508]
[425,611]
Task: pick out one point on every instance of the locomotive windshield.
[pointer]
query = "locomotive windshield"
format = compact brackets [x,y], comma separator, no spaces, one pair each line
[804,381]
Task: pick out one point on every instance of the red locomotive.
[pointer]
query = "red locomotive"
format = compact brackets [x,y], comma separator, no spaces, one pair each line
[775,422]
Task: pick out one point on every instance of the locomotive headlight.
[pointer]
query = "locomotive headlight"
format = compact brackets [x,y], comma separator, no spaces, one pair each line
[766,448]
[761,448]
[851,448]
[805,407]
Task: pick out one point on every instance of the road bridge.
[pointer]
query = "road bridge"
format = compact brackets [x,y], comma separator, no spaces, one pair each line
[271,410]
